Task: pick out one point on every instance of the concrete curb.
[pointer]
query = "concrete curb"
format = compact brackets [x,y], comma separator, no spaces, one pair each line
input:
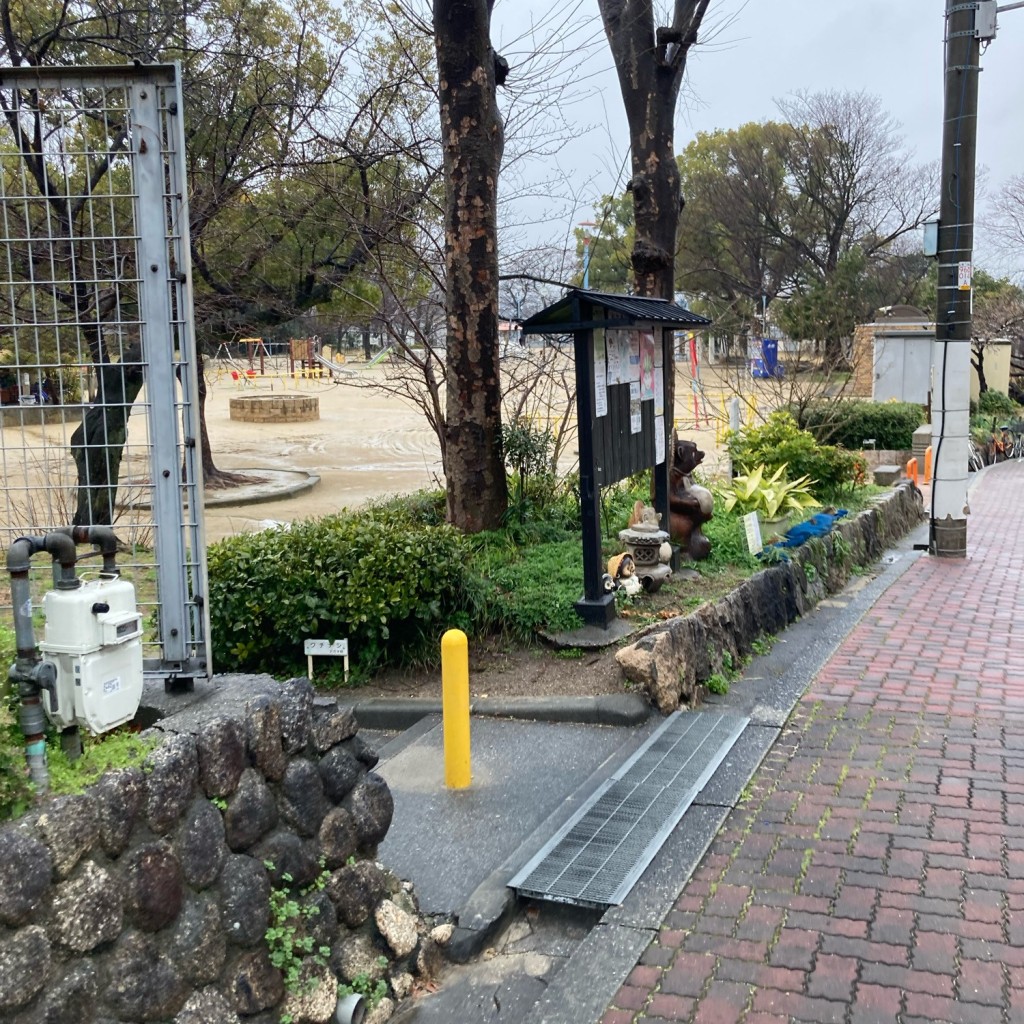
[619,709]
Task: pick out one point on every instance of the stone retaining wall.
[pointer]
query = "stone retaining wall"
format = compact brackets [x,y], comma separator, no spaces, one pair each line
[274,408]
[148,897]
[672,660]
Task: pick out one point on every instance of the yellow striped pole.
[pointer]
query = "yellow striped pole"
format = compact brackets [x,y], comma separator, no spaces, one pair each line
[455,708]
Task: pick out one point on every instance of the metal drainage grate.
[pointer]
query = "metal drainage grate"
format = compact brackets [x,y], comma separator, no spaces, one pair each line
[600,852]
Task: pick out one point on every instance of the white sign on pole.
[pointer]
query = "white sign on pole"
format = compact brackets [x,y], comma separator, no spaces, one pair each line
[753,527]
[325,648]
[963,275]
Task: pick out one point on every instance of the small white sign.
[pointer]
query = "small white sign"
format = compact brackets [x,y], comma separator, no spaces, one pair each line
[659,439]
[330,648]
[111,686]
[338,648]
[963,276]
[753,527]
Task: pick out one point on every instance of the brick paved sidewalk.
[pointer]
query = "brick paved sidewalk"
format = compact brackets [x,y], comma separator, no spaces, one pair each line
[875,871]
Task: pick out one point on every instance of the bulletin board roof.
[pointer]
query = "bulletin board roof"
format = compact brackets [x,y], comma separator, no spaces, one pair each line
[558,317]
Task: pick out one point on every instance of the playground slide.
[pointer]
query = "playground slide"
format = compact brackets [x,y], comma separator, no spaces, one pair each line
[333,366]
[380,356]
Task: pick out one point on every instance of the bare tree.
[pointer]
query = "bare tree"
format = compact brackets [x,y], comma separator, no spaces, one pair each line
[1007,222]
[854,185]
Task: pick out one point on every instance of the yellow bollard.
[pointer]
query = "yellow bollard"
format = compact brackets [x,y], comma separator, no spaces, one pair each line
[912,470]
[455,708]
[928,464]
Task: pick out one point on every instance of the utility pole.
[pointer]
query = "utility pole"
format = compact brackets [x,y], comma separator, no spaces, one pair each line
[951,361]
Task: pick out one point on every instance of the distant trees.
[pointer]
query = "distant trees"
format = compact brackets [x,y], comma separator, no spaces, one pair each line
[304,154]
[808,215]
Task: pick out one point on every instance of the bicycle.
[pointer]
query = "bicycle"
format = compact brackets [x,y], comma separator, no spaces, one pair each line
[975,460]
[1008,444]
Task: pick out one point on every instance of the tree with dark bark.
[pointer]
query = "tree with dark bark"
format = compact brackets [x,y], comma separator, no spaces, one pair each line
[472,137]
[650,62]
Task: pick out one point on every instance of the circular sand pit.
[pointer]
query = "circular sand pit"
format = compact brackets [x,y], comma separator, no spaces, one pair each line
[275,408]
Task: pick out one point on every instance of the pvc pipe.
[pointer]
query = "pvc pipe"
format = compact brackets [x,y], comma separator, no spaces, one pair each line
[351,1009]
[455,708]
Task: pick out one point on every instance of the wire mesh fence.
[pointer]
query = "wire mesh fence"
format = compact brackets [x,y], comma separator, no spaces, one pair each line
[98,395]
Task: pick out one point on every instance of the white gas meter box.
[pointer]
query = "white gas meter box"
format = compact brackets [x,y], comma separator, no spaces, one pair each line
[94,639]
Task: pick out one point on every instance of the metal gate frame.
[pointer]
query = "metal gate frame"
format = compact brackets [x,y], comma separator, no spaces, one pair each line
[155,273]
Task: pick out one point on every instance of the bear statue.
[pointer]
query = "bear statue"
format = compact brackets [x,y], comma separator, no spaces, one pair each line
[689,504]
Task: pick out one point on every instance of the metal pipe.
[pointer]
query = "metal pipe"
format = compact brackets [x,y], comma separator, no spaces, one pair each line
[31,674]
[102,536]
[351,1009]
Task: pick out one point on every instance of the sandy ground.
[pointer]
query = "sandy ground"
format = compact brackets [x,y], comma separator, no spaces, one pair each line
[366,444]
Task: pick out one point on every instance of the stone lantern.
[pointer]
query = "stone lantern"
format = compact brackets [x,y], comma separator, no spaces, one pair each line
[650,549]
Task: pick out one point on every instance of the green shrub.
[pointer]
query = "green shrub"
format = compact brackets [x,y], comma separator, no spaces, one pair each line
[391,587]
[781,442]
[15,788]
[527,451]
[850,424]
[420,508]
[996,403]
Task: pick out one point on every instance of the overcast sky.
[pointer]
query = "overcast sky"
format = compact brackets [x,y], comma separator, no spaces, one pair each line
[760,50]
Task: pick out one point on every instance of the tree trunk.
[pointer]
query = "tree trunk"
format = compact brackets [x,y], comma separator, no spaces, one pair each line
[473,140]
[367,351]
[978,361]
[650,63]
[98,444]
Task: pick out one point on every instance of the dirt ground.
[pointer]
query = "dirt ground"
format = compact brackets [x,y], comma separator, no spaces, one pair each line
[366,444]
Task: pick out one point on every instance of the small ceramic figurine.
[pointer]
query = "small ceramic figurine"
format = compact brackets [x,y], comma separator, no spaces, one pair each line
[622,570]
[690,505]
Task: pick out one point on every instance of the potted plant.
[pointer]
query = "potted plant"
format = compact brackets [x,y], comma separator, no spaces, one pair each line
[774,498]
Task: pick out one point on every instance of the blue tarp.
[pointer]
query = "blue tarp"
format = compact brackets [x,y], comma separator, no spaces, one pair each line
[817,526]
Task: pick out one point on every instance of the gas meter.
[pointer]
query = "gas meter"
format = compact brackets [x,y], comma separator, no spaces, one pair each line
[93,637]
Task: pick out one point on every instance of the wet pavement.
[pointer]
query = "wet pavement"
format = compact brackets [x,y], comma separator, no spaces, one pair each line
[855,858]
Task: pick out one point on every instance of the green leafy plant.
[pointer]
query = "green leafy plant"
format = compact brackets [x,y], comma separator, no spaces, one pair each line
[772,496]
[527,451]
[717,683]
[15,788]
[289,944]
[841,549]
[363,984]
[780,441]
[120,748]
